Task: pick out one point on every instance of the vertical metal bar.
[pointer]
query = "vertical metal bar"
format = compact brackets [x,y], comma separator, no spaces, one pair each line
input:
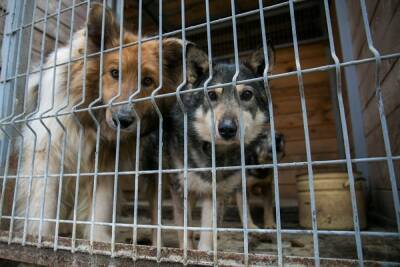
[160,130]
[81,133]
[26,95]
[27,206]
[115,191]
[8,52]
[306,134]
[345,134]
[185,133]
[241,135]
[382,116]
[352,81]
[138,126]
[65,130]
[272,125]
[13,114]
[213,134]
[43,201]
[98,127]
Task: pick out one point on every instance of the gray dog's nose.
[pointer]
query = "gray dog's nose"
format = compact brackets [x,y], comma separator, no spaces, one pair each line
[227,128]
[125,118]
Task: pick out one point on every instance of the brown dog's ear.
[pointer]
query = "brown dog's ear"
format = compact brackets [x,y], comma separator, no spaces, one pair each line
[256,61]
[196,60]
[95,26]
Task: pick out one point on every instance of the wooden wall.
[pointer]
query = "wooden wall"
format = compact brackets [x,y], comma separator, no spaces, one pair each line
[384,19]
[288,113]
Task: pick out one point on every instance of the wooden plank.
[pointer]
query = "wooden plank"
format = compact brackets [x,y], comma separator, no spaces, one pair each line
[379,171]
[323,131]
[357,25]
[385,36]
[311,90]
[390,93]
[295,119]
[317,146]
[314,104]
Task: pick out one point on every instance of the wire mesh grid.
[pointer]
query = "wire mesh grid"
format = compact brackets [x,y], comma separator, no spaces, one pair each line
[49,145]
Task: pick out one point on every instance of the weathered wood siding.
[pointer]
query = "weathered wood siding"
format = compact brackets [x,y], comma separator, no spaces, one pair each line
[384,20]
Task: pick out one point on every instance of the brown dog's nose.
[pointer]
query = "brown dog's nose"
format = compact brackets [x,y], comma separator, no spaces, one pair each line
[227,128]
[125,118]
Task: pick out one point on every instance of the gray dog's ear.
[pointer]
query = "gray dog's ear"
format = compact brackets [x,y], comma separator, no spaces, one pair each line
[95,25]
[256,61]
[197,63]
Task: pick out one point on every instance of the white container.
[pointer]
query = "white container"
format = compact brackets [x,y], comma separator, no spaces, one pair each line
[332,201]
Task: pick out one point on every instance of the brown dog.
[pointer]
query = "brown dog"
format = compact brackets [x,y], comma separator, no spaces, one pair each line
[84,140]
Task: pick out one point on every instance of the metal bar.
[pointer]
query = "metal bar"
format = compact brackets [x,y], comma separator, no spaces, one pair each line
[219,229]
[306,135]
[273,136]
[118,143]
[271,77]
[241,135]
[345,135]
[14,115]
[8,52]
[226,168]
[213,134]
[65,130]
[185,137]
[81,132]
[352,81]
[160,130]
[138,124]
[98,127]
[382,116]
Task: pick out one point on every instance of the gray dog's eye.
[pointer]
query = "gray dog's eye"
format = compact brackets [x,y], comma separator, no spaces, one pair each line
[246,95]
[212,95]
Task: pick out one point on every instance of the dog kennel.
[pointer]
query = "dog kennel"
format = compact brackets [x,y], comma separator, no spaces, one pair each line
[335,97]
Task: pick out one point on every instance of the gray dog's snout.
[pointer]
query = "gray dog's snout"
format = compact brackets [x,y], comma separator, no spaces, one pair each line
[227,128]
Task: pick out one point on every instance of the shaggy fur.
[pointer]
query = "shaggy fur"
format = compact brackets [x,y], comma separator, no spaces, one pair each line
[58,136]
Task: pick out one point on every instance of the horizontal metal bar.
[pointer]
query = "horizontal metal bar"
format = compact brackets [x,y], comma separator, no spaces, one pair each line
[149,98]
[205,229]
[204,169]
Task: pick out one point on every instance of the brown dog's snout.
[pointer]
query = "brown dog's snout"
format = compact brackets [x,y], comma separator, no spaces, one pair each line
[227,128]
[125,117]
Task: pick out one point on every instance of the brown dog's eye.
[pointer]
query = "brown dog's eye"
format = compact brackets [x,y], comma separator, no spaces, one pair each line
[114,73]
[212,95]
[147,81]
[246,95]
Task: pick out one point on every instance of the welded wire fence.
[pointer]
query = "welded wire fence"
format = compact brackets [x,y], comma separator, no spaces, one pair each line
[49,156]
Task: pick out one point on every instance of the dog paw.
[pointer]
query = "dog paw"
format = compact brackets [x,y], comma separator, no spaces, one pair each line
[270,225]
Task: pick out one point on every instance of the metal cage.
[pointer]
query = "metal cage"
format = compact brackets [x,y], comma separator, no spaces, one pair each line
[228,32]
